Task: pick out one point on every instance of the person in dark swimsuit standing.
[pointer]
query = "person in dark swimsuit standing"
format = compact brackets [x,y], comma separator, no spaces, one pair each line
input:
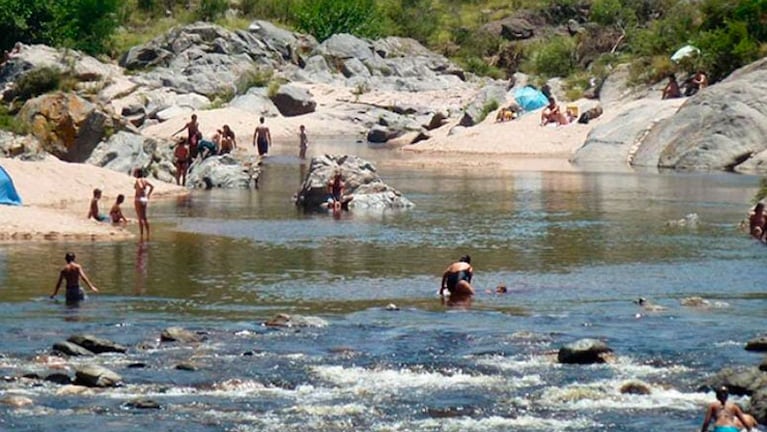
[262,138]
[72,273]
[193,131]
[457,278]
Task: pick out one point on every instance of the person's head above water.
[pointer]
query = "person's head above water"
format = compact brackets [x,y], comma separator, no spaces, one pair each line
[722,393]
[465,258]
[69,257]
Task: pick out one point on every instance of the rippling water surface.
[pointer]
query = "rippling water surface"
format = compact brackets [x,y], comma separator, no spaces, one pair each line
[574,249]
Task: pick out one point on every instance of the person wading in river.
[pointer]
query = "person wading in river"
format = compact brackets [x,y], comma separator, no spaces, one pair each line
[727,417]
[72,273]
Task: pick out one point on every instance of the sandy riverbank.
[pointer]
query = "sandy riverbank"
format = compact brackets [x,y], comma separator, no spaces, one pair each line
[56,197]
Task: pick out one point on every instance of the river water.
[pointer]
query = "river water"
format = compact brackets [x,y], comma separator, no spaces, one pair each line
[574,249]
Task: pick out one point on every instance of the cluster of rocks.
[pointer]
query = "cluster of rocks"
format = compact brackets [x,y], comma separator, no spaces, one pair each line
[361,180]
[747,380]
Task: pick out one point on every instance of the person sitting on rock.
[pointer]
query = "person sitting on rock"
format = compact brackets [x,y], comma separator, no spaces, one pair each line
[671,91]
[337,188]
[207,148]
[757,223]
[553,114]
[727,417]
[698,82]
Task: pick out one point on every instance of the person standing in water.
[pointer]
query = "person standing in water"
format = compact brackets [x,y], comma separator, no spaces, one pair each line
[262,138]
[72,273]
[303,142]
[727,417]
[457,278]
[141,200]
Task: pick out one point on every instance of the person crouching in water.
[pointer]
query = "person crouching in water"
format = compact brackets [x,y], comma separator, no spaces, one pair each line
[457,279]
[72,272]
[727,417]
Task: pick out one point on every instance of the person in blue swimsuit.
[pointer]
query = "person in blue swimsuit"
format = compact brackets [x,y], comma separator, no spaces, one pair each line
[727,417]
[72,273]
[457,278]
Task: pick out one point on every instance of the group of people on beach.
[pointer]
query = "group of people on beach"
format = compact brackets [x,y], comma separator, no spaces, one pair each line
[673,90]
[142,191]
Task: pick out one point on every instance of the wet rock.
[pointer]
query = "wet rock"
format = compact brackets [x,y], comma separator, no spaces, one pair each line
[285,320]
[142,404]
[186,366]
[691,220]
[292,101]
[71,349]
[15,401]
[763,365]
[741,381]
[695,302]
[380,134]
[362,184]
[137,365]
[59,378]
[584,351]
[96,344]
[392,307]
[635,387]
[178,334]
[228,171]
[757,344]
[74,390]
[96,376]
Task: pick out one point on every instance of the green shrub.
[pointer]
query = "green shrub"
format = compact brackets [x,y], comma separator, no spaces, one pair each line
[487,108]
[480,67]
[324,18]
[36,82]
[9,121]
[552,58]
[86,25]
[258,77]
[211,10]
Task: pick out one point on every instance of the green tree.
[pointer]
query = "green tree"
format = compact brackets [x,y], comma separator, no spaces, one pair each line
[324,18]
[87,25]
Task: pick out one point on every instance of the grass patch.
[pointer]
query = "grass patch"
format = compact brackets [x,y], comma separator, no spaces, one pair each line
[10,122]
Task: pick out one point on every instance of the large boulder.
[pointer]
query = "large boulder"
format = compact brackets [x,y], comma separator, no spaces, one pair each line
[362,184]
[179,334]
[124,152]
[584,351]
[292,100]
[226,171]
[614,141]
[68,126]
[719,128]
[71,349]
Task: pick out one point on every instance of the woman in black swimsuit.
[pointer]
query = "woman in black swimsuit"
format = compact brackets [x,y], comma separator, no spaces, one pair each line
[457,278]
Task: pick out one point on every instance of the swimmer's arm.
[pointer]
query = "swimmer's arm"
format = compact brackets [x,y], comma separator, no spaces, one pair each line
[176,133]
[741,417]
[58,284]
[707,419]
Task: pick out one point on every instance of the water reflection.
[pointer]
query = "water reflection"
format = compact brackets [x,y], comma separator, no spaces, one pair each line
[142,268]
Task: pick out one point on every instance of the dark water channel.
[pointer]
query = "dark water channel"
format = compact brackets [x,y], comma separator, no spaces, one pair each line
[574,249]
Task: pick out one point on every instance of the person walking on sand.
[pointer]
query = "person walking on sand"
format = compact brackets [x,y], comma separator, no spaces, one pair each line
[303,142]
[725,415]
[115,213]
[141,199]
[262,138]
[93,211]
[72,273]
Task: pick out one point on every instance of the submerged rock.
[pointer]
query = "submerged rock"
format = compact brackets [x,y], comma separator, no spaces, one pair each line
[71,349]
[96,344]
[285,320]
[142,404]
[635,387]
[178,334]
[584,351]
[757,344]
[97,376]
[15,401]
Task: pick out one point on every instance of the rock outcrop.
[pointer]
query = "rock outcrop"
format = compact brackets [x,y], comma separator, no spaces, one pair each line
[584,351]
[362,184]
[226,171]
[719,128]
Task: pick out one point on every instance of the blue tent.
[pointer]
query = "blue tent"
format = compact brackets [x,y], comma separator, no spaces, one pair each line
[8,194]
[530,98]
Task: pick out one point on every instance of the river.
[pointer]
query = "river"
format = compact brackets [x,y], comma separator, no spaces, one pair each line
[574,249]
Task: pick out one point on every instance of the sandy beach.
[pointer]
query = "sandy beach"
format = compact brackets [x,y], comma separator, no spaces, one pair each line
[56,196]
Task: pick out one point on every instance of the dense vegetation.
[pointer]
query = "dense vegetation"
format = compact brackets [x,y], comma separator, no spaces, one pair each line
[729,33]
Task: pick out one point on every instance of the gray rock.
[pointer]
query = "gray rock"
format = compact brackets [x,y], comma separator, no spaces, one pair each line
[123,152]
[380,134]
[353,67]
[488,96]
[24,147]
[285,320]
[363,185]
[757,344]
[614,142]
[635,387]
[178,334]
[143,404]
[292,101]
[96,344]
[759,405]
[719,128]
[584,351]
[225,172]
[59,378]
[257,102]
[174,111]
[71,349]
[96,376]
